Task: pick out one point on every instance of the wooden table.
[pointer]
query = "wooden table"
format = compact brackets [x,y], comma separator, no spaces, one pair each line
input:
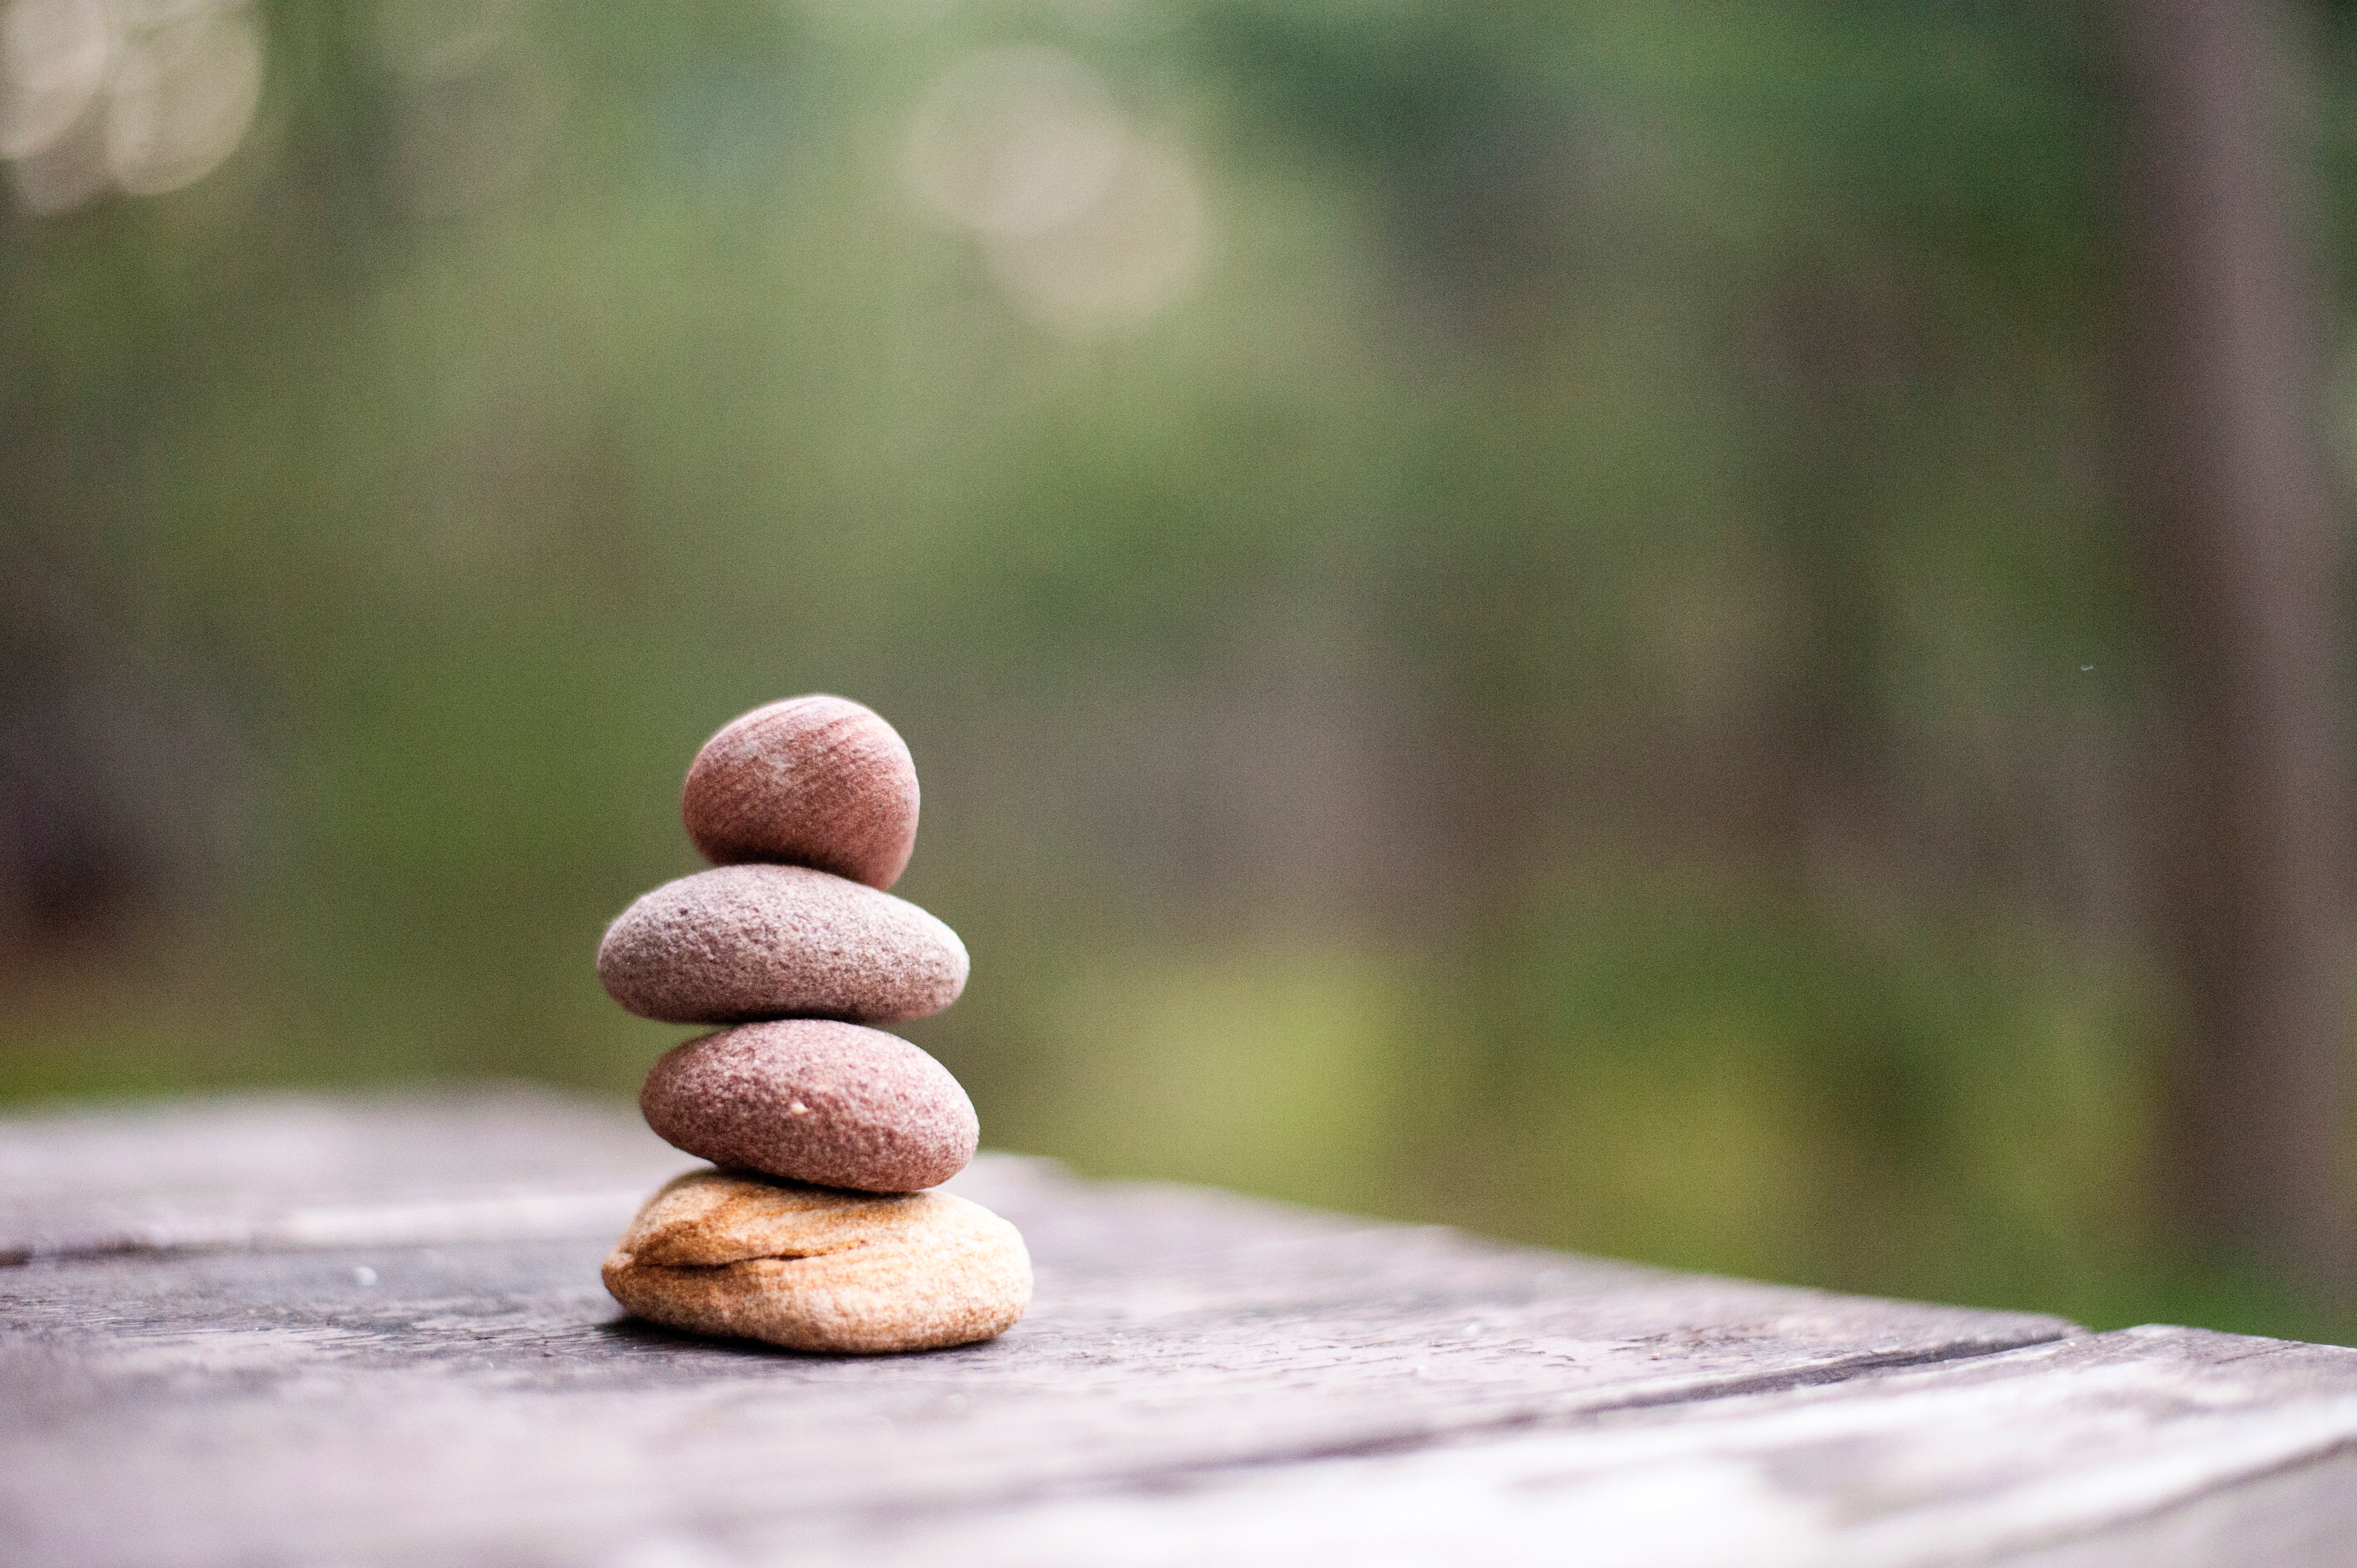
[306,1331]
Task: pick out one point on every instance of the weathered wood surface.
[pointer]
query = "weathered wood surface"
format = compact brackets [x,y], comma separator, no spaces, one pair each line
[299,1331]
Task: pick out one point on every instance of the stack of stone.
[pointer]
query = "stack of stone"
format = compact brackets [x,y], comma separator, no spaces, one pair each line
[815,1233]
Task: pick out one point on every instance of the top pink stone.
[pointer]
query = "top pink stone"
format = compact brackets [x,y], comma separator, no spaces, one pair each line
[816,781]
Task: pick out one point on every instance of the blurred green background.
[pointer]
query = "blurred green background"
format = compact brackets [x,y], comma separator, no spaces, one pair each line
[1512,616]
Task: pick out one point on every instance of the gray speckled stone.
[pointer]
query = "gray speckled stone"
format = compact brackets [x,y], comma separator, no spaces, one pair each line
[772,942]
[813,1100]
[818,781]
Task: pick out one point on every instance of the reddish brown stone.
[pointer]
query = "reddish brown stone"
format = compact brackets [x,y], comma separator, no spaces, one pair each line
[816,1101]
[817,781]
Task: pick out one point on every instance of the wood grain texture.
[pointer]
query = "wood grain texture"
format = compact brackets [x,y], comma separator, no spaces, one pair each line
[285,1170]
[196,1367]
[2157,1448]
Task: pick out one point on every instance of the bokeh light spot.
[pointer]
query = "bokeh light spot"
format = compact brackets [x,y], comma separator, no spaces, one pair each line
[54,56]
[1015,140]
[1131,252]
[142,96]
[184,93]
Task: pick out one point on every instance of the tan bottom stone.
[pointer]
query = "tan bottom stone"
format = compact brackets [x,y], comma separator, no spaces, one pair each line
[817,1269]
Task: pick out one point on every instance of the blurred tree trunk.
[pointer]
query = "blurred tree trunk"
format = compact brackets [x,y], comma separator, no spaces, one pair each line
[2227,473]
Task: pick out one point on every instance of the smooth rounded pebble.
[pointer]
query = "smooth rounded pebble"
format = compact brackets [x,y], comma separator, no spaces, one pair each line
[742,942]
[808,1099]
[818,781]
[814,1270]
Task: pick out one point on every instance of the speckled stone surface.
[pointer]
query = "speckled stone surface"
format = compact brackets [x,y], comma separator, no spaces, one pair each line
[812,1101]
[816,1269]
[818,781]
[774,941]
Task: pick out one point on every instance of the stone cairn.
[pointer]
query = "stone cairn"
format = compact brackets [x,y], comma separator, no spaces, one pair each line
[815,1230]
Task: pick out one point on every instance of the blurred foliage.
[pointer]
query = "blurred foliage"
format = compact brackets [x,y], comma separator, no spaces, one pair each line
[1584,681]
